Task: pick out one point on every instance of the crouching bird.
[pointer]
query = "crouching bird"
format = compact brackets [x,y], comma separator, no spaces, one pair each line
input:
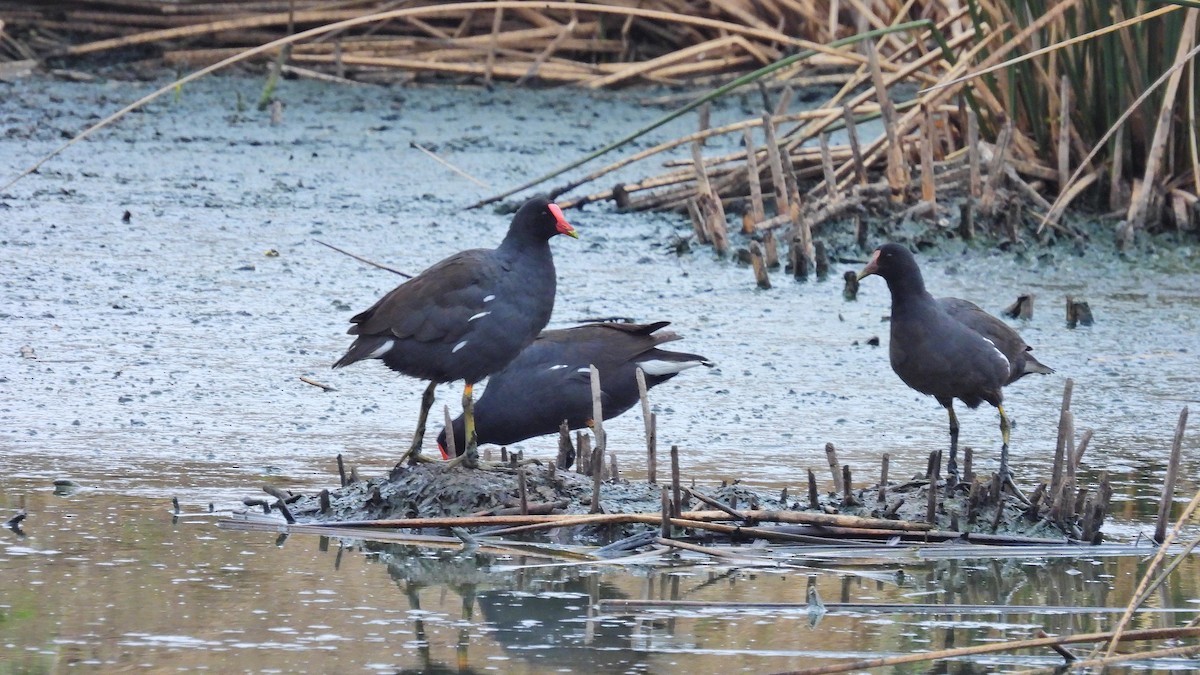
[949,348]
[551,380]
[467,316]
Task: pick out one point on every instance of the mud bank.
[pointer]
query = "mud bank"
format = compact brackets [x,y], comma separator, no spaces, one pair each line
[164,352]
[434,492]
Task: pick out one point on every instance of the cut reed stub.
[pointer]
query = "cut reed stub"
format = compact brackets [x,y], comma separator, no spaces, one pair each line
[759,264]
[850,289]
[1022,308]
[1079,313]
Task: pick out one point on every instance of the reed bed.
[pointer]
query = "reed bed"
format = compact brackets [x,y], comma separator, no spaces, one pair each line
[587,44]
[994,114]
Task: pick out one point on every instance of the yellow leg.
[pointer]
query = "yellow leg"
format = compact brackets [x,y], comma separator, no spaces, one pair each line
[1005,474]
[470,453]
[414,451]
[952,463]
[468,403]
[1004,427]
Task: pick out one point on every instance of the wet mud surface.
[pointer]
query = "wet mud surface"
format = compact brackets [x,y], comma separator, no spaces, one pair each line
[165,352]
[159,356]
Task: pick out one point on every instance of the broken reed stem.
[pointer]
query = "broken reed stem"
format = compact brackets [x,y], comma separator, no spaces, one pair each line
[597,462]
[834,468]
[1168,493]
[715,504]
[708,204]
[1064,134]
[1083,443]
[1061,500]
[694,548]
[821,260]
[1069,481]
[490,65]
[1061,443]
[583,457]
[665,512]
[966,220]
[596,459]
[676,497]
[451,448]
[341,469]
[759,265]
[883,478]
[776,164]
[522,491]
[860,168]
[928,190]
[652,451]
[564,446]
[814,501]
[897,168]
[545,521]
[973,154]
[993,648]
[757,213]
[827,168]
[648,423]
[567,31]
[597,409]
[996,168]
[770,249]
[931,492]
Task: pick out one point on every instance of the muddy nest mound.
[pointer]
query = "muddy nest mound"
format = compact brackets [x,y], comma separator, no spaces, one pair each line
[978,511]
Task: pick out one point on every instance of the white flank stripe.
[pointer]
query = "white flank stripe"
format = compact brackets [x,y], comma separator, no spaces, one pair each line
[478,316]
[657,367]
[1007,363]
[583,370]
[459,346]
[558,367]
[382,349]
[489,298]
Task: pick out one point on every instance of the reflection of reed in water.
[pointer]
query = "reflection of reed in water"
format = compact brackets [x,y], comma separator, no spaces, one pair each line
[545,616]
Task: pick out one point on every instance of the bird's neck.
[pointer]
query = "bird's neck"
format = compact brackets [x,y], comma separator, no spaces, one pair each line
[908,291]
[518,243]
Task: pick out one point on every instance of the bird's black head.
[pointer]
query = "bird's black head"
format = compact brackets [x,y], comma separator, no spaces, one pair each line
[542,219]
[895,264]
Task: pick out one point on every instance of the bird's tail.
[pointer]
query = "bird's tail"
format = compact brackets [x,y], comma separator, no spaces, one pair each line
[365,347]
[1032,365]
[663,363]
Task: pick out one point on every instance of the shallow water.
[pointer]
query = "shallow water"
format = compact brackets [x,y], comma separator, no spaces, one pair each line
[166,356]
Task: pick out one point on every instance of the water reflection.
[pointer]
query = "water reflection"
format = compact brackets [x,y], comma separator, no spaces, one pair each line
[560,618]
[102,581]
[543,615]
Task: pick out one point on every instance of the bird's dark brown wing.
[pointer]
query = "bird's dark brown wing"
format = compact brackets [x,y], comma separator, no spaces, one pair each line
[1007,340]
[436,305]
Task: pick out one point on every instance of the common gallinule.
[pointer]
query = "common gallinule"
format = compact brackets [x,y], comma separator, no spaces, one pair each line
[467,316]
[551,380]
[949,348]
